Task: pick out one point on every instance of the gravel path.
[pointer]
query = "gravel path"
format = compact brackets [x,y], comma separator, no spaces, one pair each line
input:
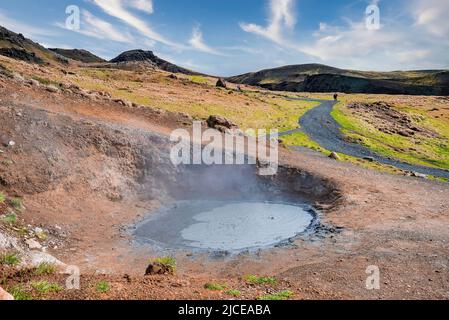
[321,127]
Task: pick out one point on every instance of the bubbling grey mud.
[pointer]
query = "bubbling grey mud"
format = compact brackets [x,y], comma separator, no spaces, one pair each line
[225,226]
[232,209]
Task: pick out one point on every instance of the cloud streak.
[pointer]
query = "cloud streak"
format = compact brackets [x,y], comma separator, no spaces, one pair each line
[197,42]
[117,9]
[282,18]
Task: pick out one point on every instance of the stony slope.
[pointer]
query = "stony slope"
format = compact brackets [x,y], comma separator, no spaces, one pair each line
[78,55]
[16,46]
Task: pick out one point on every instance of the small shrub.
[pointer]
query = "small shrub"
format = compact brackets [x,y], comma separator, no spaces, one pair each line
[45,268]
[168,262]
[103,286]
[10,259]
[215,286]
[46,287]
[234,293]
[16,203]
[10,218]
[252,279]
[2,198]
[283,295]
[19,293]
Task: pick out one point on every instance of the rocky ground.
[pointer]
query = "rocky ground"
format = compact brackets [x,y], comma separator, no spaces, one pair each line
[86,166]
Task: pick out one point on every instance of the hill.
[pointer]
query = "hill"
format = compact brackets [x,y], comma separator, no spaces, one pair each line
[321,78]
[16,46]
[78,55]
[148,57]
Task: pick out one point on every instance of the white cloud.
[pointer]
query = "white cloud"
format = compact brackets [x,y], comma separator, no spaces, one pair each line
[116,8]
[432,16]
[98,28]
[93,26]
[282,18]
[197,42]
[142,5]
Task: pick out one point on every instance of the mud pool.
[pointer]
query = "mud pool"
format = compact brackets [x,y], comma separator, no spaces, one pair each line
[225,226]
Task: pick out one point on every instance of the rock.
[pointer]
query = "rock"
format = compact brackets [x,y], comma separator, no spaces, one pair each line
[38,258]
[221,83]
[172,76]
[221,123]
[11,143]
[33,244]
[34,83]
[334,156]
[419,175]
[158,269]
[370,159]
[5,296]
[51,88]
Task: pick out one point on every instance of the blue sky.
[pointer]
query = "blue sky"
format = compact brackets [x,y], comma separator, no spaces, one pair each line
[236,36]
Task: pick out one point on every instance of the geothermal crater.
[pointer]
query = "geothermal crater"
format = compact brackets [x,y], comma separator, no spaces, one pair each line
[232,209]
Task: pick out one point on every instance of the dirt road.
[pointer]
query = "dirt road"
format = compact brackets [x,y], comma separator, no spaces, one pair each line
[321,127]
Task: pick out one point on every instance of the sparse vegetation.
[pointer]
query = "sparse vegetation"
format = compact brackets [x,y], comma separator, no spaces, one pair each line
[234,293]
[10,259]
[45,268]
[103,287]
[44,287]
[20,294]
[215,286]
[168,262]
[10,218]
[283,295]
[16,203]
[2,198]
[252,279]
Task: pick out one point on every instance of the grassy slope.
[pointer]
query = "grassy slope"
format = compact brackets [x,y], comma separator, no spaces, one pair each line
[426,151]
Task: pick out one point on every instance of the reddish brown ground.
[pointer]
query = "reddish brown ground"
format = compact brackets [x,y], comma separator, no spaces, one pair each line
[399,224]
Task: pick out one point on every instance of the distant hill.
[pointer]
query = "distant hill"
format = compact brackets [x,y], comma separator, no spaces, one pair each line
[16,46]
[78,55]
[148,57]
[321,78]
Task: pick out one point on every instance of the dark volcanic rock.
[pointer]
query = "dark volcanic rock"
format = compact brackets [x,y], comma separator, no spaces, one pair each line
[20,54]
[221,123]
[149,57]
[221,83]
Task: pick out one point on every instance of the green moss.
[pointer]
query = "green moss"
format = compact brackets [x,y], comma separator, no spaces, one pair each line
[45,269]
[283,295]
[215,286]
[103,286]
[20,294]
[252,279]
[10,259]
[234,293]
[45,287]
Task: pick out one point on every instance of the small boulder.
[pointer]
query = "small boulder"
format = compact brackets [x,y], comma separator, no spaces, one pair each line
[334,156]
[221,83]
[172,76]
[221,123]
[419,175]
[52,89]
[158,269]
[33,244]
